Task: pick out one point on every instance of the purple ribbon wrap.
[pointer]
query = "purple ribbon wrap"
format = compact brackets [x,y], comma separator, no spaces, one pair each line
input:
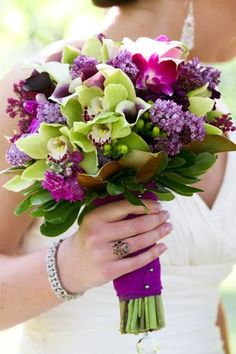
[145,281]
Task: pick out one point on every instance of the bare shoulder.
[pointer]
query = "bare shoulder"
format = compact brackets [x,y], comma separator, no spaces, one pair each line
[12,228]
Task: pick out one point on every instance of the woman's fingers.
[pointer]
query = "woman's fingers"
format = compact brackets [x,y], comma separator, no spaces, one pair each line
[119,210]
[130,264]
[138,225]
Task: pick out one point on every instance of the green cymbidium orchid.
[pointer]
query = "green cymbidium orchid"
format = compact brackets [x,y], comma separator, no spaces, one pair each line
[200,101]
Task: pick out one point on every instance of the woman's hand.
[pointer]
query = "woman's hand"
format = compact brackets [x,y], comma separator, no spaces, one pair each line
[89,254]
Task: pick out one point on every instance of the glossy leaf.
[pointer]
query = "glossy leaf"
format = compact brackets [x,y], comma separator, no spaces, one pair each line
[212,143]
[153,166]
[41,197]
[52,230]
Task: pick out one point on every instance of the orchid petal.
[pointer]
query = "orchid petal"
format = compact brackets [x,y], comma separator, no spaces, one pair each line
[119,77]
[110,49]
[90,163]
[93,48]
[69,54]
[86,94]
[33,145]
[200,106]
[74,84]
[113,95]
[35,171]
[72,111]
[17,184]
[201,91]
[58,71]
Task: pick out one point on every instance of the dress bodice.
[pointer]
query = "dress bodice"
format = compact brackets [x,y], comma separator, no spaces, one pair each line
[201,252]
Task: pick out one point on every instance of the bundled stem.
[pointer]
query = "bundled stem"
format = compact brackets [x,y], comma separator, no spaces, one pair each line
[141,315]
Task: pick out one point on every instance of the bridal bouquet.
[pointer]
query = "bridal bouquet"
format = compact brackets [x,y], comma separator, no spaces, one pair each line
[115,120]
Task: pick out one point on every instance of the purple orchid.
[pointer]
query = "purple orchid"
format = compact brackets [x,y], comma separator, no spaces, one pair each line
[154,75]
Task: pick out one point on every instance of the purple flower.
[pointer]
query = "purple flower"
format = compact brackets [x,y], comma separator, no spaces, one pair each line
[63,188]
[84,67]
[49,113]
[124,62]
[177,126]
[154,75]
[16,157]
[193,75]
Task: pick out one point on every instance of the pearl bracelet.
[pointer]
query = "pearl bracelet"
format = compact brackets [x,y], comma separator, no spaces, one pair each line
[53,276]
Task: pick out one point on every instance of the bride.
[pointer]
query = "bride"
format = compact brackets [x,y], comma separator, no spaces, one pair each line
[201,246]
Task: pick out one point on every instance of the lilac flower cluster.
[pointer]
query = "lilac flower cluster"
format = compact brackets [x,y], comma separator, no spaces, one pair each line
[15,105]
[177,127]
[80,63]
[193,75]
[49,113]
[63,188]
[16,157]
[124,62]
[225,123]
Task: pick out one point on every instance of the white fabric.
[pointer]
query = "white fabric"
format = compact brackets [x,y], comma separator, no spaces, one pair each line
[202,250]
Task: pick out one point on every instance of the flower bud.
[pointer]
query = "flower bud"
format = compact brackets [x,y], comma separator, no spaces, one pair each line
[122,149]
[140,124]
[155,132]
[107,149]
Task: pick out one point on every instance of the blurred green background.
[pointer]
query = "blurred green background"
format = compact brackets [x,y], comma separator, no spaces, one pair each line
[28,26]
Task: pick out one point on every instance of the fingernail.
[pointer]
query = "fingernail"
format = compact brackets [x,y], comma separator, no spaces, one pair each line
[166,214]
[168,226]
[162,247]
[157,206]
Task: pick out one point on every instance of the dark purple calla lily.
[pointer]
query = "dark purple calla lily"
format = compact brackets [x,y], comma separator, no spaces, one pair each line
[154,75]
[96,80]
[30,106]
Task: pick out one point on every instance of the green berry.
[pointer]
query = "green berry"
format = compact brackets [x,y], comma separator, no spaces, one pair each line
[140,124]
[146,115]
[156,131]
[107,149]
[122,149]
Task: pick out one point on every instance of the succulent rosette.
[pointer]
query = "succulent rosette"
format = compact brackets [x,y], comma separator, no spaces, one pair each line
[115,120]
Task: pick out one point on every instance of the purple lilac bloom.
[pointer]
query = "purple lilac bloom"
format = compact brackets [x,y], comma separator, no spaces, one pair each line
[80,63]
[16,157]
[50,113]
[178,127]
[193,75]
[124,62]
[63,188]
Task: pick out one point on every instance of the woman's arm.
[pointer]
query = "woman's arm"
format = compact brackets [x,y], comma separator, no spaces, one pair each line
[222,324]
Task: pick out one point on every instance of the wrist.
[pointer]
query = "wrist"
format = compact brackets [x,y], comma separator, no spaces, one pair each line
[68,266]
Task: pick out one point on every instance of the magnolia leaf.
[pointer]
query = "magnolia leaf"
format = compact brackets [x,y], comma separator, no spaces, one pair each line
[35,171]
[179,188]
[72,111]
[153,166]
[200,106]
[69,54]
[17,184]
[212,143]
[211,129]
[97,181]
[93,48]
[114,94]
[119,77]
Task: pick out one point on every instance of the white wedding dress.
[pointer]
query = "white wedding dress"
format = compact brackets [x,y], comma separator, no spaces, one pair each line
[202,250]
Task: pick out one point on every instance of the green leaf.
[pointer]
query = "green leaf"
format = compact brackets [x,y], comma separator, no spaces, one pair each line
[52,230]
[41,197]
[35,187]
[179,178]
[43,209]
[165,197]
[175,162]
[178,187]
[115,189]
[212,143]
[60,213]
[23,206]
[17,184]
[203,162]
[135,142]
[133,199]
